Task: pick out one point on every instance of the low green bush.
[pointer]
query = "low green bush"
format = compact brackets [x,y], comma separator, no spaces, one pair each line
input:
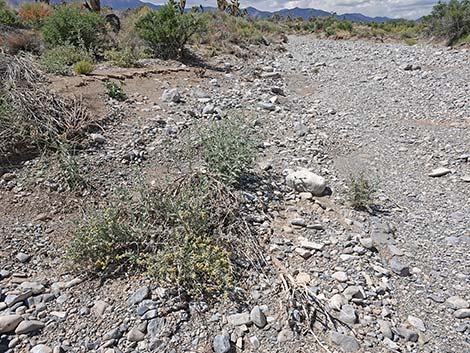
[69,25]
[115,91]
[126,57]
[59,60]
[83,67]
[361,192]
[166,31]
[7,16]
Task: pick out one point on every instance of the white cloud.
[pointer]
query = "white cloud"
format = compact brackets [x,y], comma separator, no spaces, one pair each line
[392,8]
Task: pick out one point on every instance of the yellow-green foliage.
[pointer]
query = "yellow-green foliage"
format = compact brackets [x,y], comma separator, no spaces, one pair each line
[126,57]
[178,235]
[361,192]
[60,59]
[83,67]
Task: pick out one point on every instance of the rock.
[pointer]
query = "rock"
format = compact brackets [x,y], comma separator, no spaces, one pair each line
[171,95]
[8,176]
[301,129]
[28,326]
[462,313]
[337,301]
[407,334]
[455,302]
[438,172]
[346,343]
[99,308]
[208,109]
[272,75]
[267,106]
[138,296]
[155,327]
[285,335]
[348,315]
[135,335]
[354,292]
[221,343]
[300,222]
[11,300]
[98,138]
[255,342]
[399,267]
[22,257]
[239,319]
[258,317]
[9,323]
[303,253]
[390,344]
[385,328]
[41,348]
[310,245]
[416,323]
[340,276]
[305,181]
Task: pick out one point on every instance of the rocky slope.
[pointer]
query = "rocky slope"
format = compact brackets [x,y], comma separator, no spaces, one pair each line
[392,279]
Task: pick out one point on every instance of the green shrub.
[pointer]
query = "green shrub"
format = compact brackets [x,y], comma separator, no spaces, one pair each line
[228,149]
[60,59]
[74,26]
[123,58]
[83,67]
[33,14]
[184,235]
[115,91]
[7,17]
[361,192]
[166,31]
[103,243]
[449,20]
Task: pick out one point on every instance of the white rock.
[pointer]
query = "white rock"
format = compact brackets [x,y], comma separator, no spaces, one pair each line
[305,181]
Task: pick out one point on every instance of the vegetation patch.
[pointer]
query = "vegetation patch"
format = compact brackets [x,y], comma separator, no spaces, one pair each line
[361,192]
[115,91]
[60,59]
[83,67]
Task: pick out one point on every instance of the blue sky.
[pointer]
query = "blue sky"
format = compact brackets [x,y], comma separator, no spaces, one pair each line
[411,9]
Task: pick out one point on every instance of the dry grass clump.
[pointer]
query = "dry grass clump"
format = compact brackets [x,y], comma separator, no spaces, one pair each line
[37,118]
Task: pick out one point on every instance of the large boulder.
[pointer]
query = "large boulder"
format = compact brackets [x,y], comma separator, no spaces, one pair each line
[304,180]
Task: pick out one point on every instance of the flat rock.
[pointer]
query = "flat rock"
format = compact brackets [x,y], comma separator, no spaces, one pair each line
[141,294]
[171,95]
[348,315]
[346,343]
[455,302]
[239,319]
[340,276]
[399,267]
[41,348]
[462,313]
[407,334]
[135,335]
[438,172]
[9,323]
[28,326]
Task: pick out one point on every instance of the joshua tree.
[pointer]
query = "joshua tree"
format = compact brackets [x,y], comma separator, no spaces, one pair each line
[222,5]
[182,5]
[234,8]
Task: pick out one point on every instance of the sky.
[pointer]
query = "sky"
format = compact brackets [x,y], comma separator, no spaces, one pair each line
[411,9]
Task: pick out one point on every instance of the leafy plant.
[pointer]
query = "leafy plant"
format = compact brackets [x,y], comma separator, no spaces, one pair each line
[227,149]
[69,25]
[33,14]
[361,192]
[83,67]
[60,59]
[115,91]
[126,57]
[7,17]
[166,31]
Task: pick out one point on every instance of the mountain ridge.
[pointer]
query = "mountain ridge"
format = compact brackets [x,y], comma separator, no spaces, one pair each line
[296,12]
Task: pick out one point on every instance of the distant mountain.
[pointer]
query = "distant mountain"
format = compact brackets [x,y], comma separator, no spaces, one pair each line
[253,12]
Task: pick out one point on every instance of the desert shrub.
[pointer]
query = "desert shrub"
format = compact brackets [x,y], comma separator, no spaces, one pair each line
[69,25]
[361,191]
[7,16]
[70,171]
[227,149]
[126,57]
[166,31]
[20,40]
[187,234]
[449,20]
[115,91]
[60,59]
[83,67]
[33,14]
[103,242]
